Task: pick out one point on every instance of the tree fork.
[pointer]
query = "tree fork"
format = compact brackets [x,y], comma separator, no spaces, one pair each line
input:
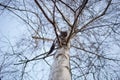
[60,69]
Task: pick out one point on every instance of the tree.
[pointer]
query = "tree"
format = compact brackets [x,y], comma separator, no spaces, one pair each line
[92,39]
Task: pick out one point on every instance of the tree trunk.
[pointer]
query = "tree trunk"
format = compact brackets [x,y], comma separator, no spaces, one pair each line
[60,69]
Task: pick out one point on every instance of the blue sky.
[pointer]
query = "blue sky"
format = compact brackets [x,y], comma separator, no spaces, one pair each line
[13,28]
[10,26]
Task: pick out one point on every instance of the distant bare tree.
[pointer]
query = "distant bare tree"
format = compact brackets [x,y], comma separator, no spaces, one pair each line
[91,42]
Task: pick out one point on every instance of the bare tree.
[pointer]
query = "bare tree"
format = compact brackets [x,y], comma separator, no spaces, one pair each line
[82,35]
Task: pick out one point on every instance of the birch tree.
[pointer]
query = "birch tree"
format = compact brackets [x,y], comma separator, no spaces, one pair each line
[88,49]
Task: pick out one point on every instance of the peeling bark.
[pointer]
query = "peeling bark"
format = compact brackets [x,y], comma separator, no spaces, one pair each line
[60,69]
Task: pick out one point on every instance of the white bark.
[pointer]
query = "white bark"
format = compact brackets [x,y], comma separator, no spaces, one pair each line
[61,68]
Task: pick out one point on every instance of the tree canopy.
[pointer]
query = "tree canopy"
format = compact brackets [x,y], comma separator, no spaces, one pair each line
[94,34]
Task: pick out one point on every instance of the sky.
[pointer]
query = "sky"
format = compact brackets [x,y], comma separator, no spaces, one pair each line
[10,27]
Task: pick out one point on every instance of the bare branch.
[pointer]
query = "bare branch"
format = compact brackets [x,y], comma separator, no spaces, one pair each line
[46,39]
[80,9]
[63,16]
[102,14]
[37,3]
[67,6]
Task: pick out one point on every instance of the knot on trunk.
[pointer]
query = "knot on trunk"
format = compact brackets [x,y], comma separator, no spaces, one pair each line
[63,39]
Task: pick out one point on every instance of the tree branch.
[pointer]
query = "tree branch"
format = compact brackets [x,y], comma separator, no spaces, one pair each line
[76,19]
[102,14]
[67,6]
[63,16]
[47,39]
[37,3]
